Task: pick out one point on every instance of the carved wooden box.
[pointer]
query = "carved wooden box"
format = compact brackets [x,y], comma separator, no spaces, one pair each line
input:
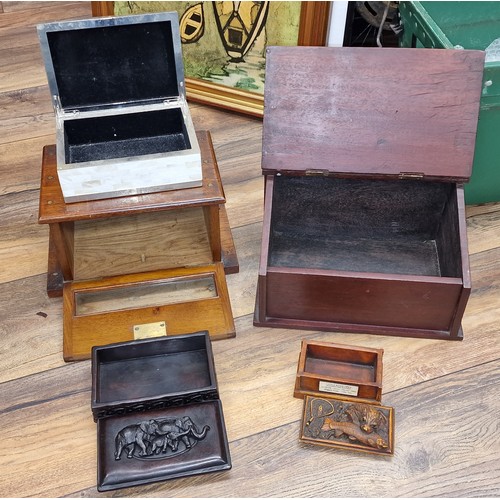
[342,389]
[364,225]
[122,122]
[158,412]
[139,266]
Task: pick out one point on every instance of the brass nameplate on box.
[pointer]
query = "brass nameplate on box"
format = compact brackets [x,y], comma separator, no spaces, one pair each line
[335,388]
[149,330]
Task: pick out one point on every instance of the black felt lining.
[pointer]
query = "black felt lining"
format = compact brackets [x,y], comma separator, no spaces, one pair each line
[96,66]
[365,225]
[120,136]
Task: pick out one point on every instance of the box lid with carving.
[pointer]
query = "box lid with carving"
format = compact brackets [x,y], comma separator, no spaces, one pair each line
[122,122]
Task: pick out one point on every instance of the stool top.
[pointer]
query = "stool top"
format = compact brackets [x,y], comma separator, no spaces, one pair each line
[53,209]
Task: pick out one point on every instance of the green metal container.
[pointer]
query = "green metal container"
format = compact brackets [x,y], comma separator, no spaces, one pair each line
[468,25]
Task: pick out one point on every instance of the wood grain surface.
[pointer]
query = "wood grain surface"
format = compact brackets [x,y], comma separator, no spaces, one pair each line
[445,394]
[354,119]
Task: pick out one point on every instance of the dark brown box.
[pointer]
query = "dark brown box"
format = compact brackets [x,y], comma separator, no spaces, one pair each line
[158,412]
[342,388]
[364,222]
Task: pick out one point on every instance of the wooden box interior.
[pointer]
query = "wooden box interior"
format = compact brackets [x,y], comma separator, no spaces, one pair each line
[324,362]
[362,225]
[151,370]
[125,135]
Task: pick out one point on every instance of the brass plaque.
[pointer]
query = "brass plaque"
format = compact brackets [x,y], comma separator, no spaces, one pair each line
[148,330]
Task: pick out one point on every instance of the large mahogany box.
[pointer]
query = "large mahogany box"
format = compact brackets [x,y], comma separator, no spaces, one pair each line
[158,412]
[342,389]
[139,266]
[122,122]
[364,154]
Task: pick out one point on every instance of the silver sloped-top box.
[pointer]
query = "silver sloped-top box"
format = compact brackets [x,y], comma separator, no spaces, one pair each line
[123,126]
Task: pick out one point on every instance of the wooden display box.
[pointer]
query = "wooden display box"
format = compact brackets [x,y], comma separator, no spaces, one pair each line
[364,223]
[158,412]
[327,369]
[142,265]
[123,126]
[342,389]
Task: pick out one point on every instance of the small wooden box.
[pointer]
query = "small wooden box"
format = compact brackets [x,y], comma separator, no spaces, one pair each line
[123,126]
[342,389]
[364,220]
[139,266]
[327,369]
[158,412]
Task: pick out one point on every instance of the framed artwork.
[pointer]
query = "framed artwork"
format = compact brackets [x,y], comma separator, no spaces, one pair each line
[223,43]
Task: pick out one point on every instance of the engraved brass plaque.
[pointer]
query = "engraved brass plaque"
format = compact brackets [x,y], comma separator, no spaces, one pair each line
[148,330]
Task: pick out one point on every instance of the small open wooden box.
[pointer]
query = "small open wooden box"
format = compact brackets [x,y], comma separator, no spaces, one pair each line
[139,266]
[342,389]
[364,218]
[158,412]
[327,369]
[123,126]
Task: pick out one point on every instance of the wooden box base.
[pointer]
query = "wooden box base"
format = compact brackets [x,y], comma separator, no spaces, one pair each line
[334,370]
[374,256]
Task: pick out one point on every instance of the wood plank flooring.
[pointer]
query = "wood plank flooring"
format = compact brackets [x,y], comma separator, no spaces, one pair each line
[445,394]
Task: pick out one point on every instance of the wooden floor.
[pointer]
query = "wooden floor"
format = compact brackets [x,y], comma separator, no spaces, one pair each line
[445,394]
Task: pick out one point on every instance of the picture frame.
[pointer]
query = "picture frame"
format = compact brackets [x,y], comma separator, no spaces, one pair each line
[313,30]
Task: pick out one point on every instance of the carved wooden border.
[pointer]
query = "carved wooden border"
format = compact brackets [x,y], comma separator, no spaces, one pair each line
[314,17]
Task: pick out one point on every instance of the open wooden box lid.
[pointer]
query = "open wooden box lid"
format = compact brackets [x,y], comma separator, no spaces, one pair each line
[394,112]
[158,411]
[113,61]
[342,388]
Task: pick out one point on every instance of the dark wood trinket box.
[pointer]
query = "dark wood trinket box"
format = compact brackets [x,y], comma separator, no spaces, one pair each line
[158,412]
[364,222]
[123,126]
[342,389]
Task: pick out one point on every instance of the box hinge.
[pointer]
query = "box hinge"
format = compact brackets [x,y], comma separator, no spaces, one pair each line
[172,101]
[313,171]
[60,112]
[411,175]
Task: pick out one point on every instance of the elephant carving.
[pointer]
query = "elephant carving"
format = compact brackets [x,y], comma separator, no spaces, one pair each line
[154,437]
[181,428]
[132,436]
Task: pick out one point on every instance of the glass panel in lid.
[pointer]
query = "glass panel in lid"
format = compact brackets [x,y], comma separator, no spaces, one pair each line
[152,294]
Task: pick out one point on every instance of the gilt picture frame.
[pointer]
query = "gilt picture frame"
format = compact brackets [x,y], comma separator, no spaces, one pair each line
[312,30]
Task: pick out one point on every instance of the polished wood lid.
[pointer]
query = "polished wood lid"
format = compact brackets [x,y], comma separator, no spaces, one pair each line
[372,112]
